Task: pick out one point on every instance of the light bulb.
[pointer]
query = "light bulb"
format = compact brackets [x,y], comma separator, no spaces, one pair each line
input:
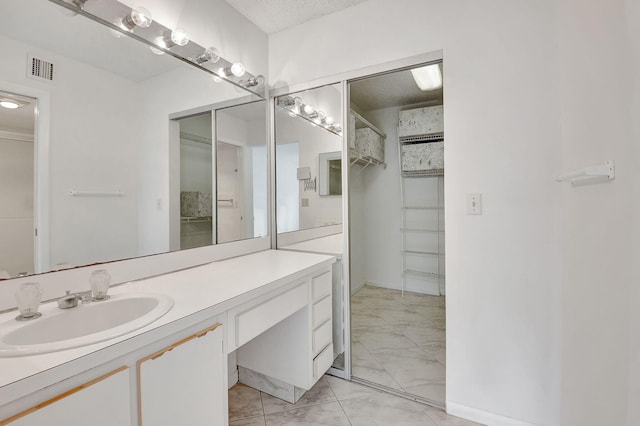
[255,81]
[308,109]
[208,55]
[179,37]
[161,42]
[328,120]
[321,116]
[221,72]
[139,17]
[9,104]
[238,69]
[337,128]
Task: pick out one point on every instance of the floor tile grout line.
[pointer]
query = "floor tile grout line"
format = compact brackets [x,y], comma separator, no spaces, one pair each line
[346,416]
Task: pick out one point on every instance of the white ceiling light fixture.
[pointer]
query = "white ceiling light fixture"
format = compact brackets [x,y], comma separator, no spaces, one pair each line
[123,19]
[296,107]
[10,103]
[428,78]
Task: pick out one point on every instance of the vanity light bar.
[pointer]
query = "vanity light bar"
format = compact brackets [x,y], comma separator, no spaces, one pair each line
[138,24]
[297,107]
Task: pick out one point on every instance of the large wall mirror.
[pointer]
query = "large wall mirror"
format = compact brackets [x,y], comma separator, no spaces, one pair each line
[101,184]
[309,200]
[308,136]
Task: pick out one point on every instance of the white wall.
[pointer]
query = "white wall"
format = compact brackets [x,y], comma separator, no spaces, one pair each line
[632,14]
[599,122]
[504,268]
[91,148]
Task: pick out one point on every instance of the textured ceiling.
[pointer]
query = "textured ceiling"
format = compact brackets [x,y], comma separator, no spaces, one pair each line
[390,90]
[272,16]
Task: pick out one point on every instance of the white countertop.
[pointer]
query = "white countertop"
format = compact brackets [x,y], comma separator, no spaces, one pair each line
[199,293]
[332,245]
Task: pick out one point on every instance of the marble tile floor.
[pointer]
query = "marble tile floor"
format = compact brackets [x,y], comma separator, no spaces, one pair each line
[399,342]
[333,401]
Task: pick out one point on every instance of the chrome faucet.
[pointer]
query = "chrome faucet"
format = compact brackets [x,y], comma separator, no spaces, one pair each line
[71,300]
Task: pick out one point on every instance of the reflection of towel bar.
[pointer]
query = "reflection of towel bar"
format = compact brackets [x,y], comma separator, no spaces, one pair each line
[225,202]
[606,170]
[78,193]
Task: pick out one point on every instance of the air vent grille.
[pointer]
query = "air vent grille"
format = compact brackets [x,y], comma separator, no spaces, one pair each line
[40,69]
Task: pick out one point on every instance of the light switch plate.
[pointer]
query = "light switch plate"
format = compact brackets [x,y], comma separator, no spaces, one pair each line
[474,204]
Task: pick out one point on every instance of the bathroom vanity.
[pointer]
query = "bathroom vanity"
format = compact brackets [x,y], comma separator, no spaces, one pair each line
[270,310]
[332,245]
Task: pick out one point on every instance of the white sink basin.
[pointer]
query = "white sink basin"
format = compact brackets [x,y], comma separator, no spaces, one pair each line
[59,329]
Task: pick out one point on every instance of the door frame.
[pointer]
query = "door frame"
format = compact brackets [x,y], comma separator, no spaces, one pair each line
[41,169]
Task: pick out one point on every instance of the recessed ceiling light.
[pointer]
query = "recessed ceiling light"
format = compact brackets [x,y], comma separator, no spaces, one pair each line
[428,78]
[9,103]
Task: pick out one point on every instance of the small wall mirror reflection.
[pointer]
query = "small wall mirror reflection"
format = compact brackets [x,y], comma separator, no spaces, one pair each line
[308,139]
[330,173]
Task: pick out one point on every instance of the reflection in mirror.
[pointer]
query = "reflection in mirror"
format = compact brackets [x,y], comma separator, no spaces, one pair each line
[102,140]
[307,128]
[17,121]
[330,171]
[196,181]
[237,209]
[241,172]
[308,137]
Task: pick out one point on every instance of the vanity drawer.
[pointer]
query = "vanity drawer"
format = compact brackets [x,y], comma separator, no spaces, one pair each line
[321,286]
[322,362]
[321,311]
[252,319]
[322,337]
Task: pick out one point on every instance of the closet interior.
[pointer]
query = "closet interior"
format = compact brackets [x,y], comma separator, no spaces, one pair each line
[397,253]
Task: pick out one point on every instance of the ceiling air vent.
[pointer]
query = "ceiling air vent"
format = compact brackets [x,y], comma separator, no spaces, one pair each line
[39,69]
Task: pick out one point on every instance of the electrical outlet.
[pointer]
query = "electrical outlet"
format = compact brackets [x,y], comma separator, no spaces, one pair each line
[474,204]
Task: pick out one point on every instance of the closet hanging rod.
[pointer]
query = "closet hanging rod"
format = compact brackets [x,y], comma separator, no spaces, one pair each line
[369,125]
[597,171]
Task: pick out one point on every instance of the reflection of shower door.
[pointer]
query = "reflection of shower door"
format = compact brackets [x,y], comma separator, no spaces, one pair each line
[229,199]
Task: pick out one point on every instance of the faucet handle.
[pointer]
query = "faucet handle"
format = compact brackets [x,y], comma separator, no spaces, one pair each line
[68,300]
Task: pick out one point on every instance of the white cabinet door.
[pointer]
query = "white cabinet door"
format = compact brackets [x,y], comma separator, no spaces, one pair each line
[184,383]
[104,401]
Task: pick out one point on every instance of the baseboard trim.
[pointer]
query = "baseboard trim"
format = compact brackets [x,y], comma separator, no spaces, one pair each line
[233,378]
[354,289]
[483,417]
